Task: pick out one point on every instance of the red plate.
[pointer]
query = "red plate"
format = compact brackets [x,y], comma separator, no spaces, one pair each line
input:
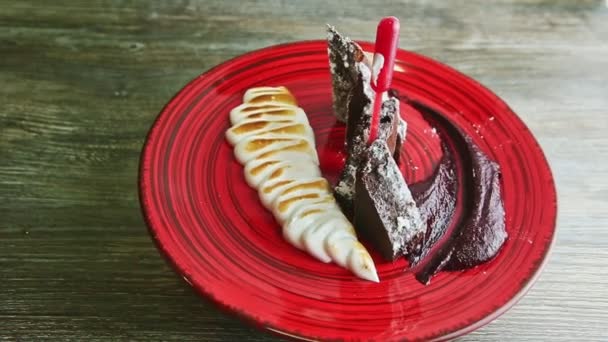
[211,226]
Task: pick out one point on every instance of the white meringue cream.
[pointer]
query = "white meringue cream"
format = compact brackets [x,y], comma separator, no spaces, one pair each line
[273,139]
[269,111]
[283,128]
[296,165]
[261,147]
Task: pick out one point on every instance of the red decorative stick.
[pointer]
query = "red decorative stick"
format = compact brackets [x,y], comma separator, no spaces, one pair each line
[387,40]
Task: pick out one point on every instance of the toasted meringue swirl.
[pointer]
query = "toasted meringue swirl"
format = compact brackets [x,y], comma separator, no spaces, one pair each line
[274,141]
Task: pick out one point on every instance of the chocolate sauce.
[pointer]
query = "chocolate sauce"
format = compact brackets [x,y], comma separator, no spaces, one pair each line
[458,240]
[436,201]
[483,230]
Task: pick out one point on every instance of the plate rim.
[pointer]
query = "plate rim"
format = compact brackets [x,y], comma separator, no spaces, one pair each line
[248,318]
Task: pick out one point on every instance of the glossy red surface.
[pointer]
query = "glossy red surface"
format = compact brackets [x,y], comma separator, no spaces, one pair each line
[213,229]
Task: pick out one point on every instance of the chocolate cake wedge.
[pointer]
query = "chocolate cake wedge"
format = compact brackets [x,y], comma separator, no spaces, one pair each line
[384,211]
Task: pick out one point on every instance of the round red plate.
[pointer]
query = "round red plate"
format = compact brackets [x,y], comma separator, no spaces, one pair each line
[211,226]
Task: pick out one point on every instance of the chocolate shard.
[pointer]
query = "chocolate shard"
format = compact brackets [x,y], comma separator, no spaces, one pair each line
[401,129]
[400,139]
[346,58]
[384,211]
[348,66]
[358,134]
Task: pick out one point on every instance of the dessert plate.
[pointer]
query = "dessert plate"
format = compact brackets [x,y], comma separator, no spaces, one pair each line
[211,226]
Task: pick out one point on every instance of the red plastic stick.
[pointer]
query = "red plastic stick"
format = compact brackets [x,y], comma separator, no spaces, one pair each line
[387,40]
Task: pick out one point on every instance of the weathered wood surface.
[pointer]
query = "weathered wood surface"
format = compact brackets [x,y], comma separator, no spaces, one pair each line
[81,82]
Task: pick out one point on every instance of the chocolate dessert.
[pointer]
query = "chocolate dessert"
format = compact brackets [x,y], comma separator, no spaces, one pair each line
[385,212]
[357,135]
[352,102]
[454,220]
[371,190]
[346,59]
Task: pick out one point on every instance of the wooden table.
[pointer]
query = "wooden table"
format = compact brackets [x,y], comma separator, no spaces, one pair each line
[82,81]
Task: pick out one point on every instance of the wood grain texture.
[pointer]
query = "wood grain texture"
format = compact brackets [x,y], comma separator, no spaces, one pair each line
[82,81]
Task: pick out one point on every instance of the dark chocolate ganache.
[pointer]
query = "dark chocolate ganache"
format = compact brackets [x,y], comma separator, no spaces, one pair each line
[458,236]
